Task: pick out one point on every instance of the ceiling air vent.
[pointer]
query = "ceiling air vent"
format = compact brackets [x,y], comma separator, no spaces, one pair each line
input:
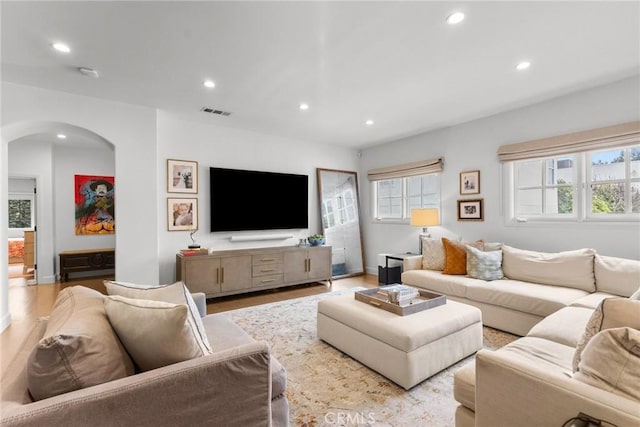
[214,111]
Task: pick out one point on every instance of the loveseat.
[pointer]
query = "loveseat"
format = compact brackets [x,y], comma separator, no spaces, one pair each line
[237,383]
[553,301]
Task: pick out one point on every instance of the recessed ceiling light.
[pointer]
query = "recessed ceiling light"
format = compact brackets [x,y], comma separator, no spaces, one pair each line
[61,47]
[368,122]
[61,136]
[455,18]
[209,83]
[303,106]
[523,65]
[89,72]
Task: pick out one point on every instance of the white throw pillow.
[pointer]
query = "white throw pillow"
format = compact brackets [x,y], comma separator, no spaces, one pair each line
[155,333]
[176,293]
[484,265]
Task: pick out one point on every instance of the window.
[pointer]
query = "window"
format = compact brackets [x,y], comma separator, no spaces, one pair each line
[394,198]
[599,185]
[21,212]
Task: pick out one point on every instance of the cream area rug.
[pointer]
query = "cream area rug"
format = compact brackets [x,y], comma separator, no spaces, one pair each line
[328,388]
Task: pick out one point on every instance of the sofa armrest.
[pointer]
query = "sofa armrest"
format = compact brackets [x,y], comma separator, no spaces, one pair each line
[412,263]
[201,302]
[512,391]
[229,388]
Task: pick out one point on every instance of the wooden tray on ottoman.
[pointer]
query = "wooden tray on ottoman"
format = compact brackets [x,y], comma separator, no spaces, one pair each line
[425,301]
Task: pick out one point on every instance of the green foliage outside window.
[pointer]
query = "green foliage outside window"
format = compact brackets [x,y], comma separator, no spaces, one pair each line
[19,213]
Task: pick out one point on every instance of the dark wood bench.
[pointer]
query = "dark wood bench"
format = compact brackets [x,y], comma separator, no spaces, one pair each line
[86,260]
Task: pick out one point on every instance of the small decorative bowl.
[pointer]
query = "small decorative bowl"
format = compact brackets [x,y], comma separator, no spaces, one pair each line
[316,242]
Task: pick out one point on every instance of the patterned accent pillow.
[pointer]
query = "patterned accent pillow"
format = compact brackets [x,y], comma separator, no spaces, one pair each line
[484,265]
[610,313]
[455,260]
[432,254]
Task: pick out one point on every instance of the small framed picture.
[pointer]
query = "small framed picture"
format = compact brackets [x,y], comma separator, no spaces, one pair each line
[471,210]
[182,214]
[470,182]
[182,176]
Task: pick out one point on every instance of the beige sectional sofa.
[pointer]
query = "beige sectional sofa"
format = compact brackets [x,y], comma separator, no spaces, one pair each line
[533,381]
[238,383]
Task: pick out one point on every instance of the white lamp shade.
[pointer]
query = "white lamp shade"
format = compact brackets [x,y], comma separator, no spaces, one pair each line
[425,217]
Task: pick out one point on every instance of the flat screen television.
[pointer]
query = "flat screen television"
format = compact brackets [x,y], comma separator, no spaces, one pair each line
[255,200]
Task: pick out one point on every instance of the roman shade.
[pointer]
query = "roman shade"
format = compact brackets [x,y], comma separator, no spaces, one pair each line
[408,169]
[621,135]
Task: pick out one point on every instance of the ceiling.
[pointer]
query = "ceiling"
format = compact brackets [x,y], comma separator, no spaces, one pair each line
[397,63]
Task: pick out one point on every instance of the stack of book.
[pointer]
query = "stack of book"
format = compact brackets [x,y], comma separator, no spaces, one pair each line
[192,252]
[406,293]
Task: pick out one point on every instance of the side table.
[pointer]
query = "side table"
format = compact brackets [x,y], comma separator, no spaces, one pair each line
[388,279]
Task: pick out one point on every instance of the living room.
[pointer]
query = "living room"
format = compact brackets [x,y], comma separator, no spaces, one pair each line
[133,142]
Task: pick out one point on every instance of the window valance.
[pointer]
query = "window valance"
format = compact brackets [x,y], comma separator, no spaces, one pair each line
[408,169]
[595,139]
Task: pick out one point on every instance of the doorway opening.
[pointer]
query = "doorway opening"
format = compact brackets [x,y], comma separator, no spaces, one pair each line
[22,228]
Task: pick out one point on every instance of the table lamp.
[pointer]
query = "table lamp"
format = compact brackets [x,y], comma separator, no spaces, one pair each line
[424,217]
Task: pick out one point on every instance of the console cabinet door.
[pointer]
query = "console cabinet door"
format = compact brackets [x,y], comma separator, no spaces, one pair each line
[236,273]
[202,274]
[295,266]
[319,264]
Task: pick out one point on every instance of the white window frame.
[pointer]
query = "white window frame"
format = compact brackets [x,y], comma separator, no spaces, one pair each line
[582,207]
[406,212]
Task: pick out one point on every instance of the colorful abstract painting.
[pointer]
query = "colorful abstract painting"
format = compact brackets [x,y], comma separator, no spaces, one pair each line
[94,198]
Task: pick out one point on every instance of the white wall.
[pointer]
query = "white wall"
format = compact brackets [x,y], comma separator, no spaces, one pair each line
[473,145]
[68,162]
[131,129]
[219,146]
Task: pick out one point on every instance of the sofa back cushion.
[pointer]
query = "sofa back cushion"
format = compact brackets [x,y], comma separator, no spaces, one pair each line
[617,276]
[78,349]
[571,269]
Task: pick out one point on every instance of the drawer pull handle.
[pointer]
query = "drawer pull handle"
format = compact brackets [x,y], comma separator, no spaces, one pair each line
[267,280]
[267,270]
[268,259]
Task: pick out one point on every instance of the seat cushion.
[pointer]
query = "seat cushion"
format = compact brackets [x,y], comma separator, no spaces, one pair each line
[79,347]
[592,300]
[565,326]
[454,285]
[551,356]
[533,298]
[464,386]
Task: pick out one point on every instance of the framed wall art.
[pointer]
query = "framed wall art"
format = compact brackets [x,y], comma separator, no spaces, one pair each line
[95,207]
[182,176]
[470,182]
[471,210]
[182,214]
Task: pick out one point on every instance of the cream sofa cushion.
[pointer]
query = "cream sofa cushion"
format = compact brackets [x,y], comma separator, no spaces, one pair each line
[176,293]
[565,326]
[611,361]
[79,347]
[155,333]
[611,313]
[572,269]
[618,276]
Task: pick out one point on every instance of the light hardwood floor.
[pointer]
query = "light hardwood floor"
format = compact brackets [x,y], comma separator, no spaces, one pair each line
[27,303]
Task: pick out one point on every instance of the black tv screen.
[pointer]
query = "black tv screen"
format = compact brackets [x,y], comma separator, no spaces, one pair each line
[255,200]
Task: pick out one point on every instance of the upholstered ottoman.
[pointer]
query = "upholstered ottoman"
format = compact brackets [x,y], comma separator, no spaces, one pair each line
[405,349]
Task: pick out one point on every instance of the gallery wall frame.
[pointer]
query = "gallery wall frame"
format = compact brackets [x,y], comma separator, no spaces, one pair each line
[182,176]
[470,182]
[182,214]
[471,210]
